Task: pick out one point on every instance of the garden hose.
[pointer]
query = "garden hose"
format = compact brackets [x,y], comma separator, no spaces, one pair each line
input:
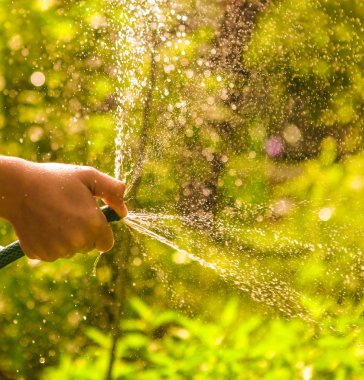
[14,252]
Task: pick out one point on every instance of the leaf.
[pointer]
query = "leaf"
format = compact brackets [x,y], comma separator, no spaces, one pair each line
[98,337]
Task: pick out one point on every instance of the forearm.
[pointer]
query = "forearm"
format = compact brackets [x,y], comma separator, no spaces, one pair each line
[12,185]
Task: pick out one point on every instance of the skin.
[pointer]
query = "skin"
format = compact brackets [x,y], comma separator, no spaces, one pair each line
[53,207]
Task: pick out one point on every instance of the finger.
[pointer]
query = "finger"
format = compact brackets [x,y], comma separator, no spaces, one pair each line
[107,188]
[79,243]
[105,239]
[47,253]
[59,251]
[30,255]
[28,251]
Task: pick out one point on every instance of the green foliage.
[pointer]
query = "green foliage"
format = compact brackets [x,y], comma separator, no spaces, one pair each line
[167,345]
[310,54]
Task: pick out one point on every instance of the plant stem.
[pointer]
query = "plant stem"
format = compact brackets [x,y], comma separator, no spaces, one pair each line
[120,274]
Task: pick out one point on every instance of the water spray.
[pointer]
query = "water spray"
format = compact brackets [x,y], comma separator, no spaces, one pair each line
[13,251]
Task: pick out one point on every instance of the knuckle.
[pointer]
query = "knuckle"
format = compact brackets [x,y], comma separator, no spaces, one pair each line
[78,243]
[87,246]
[88,174]
[55,251]
[88,169]
[44,255]
[78,240]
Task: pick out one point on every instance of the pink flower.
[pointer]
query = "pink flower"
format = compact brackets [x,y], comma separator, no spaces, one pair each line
[274,146]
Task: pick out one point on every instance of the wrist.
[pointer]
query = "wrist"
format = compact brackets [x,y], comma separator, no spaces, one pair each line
[13,186]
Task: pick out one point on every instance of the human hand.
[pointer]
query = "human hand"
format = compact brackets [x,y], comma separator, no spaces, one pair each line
[54,211]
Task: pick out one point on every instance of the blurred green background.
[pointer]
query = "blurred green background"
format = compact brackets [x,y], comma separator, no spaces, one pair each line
[252,117]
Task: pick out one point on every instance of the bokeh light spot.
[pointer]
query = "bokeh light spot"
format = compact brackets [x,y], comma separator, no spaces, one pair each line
[38,78]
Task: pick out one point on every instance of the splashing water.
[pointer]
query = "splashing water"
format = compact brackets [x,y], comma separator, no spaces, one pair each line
[262,285]
[96,262]
[222,241]
[135,25]
[133,42]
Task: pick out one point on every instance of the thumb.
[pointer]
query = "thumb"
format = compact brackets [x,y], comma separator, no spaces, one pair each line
[109,189]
